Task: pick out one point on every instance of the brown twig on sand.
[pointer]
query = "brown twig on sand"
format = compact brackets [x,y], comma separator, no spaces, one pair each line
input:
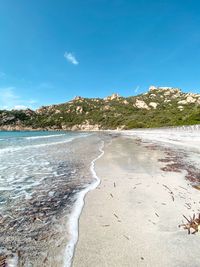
[111,195]
[188,205]
[192,225]
[126,237]
[152,222]
[170,191]
[167,188]
[116,216]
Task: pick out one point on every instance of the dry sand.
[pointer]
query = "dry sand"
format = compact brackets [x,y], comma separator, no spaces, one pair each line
[130,219]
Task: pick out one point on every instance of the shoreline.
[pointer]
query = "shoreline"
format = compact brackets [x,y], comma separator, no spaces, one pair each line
[134,207]
[131,155]
[11,128]
[73,223]
[46,213]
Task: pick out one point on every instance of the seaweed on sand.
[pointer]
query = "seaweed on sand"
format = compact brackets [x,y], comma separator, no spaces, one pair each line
[192,225]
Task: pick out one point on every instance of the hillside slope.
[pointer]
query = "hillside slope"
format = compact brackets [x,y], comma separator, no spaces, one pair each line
[160,106]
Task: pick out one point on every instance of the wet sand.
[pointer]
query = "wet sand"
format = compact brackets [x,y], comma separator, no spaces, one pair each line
[132,217]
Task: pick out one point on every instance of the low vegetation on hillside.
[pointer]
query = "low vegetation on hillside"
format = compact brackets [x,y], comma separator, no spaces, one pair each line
[158,107]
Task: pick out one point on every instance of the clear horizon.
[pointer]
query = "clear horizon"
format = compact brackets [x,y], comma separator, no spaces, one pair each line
[50,52]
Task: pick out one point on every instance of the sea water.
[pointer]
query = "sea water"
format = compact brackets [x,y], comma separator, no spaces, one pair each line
[28,158]
[41,175]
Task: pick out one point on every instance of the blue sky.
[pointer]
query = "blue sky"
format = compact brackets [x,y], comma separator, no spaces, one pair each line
[51,51]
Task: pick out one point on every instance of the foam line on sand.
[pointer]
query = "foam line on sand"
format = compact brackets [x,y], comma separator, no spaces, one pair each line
[74,216]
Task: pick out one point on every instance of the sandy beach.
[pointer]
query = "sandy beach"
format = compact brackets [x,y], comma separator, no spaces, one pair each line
[132,217]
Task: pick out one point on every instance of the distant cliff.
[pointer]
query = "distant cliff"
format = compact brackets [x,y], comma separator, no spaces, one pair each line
[160,106]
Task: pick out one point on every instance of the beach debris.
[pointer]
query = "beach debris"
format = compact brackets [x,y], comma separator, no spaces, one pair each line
[152,222]
[105,225]
[111,195]
[2,261]
[167,188]
[192,225]
[188,205]
[114,184]
[142,258]
[151,146]
[157,214]
[170,191]
[45,260]
[196,187]
[176,163]
[138,184]
[116,216]
[126,237]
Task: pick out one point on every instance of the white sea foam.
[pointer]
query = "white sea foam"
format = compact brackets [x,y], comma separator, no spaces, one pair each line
[12,262]
[42,136]
[17,148]
[74,216]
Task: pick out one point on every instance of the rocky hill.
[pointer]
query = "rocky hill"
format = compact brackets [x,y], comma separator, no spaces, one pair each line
[160,106]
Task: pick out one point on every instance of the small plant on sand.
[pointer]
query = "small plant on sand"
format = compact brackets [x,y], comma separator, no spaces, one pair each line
[192,225]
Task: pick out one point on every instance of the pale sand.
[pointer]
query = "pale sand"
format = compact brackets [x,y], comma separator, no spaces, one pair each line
[119,225]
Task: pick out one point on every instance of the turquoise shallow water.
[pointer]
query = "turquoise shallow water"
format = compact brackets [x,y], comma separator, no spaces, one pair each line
[27,158]
[21,139]
[40,174]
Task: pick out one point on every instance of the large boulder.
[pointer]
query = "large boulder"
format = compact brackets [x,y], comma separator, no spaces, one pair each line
[190,99]
[153,105]
[141,104]
[79,110]
[182,102]
[112,97]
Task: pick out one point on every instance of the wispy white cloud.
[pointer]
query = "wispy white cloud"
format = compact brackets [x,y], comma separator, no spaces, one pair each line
[137,89]
[10,100]
[71,58]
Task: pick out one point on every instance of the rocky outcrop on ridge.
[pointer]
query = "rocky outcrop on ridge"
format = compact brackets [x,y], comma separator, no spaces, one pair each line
[159,106]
